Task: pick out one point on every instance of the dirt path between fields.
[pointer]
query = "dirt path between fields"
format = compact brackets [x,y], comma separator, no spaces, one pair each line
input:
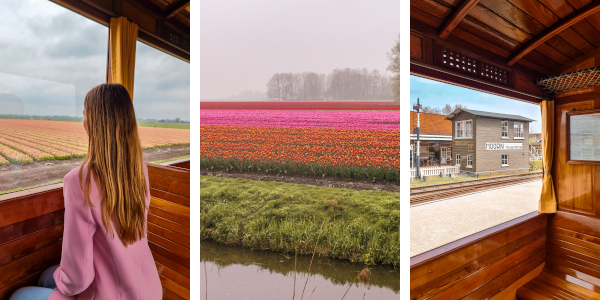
[346,183]
[43,172]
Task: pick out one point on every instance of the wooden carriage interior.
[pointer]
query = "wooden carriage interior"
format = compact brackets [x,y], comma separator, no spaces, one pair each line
[31,221]
[529,51]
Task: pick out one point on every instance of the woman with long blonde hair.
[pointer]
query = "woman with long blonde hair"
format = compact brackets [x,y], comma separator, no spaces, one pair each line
[105,252]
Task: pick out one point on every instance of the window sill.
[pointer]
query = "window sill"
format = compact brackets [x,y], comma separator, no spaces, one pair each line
[504,165]
[469,167]
[505,138]
[464,138]
[518,138]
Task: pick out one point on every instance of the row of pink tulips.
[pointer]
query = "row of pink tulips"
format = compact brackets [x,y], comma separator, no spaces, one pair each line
[385,120]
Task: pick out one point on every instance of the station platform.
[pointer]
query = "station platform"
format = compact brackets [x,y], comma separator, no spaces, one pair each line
[438,223]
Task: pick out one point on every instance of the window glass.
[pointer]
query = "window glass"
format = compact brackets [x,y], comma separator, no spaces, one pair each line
[50,57]
[518,130]
[458,159]
[504,128]
[469,127]
[161,96]
[459,129]
[505,159]
[469,160]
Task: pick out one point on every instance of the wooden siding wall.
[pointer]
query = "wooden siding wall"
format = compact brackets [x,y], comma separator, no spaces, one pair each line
[489,130]
[463,147]
[169,228]
[31,229]
[488,268]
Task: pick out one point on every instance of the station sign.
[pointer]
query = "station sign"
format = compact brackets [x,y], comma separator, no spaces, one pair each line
[503,146]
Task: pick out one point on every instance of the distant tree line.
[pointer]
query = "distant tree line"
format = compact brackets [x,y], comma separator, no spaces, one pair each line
[340,84]
[446,110]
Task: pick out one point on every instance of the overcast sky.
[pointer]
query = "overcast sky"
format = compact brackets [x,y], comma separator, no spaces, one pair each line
[438,94]
[50,57]
[243,43]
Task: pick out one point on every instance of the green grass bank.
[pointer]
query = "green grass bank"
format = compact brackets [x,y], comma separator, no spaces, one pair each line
[282,217]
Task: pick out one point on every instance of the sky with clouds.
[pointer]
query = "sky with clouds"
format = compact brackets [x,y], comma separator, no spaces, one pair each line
[50,57]
[434,93]
[243,43]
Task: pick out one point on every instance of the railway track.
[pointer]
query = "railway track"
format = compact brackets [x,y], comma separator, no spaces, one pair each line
[419,195]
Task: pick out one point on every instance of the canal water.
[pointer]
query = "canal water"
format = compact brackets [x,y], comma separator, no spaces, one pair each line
[237,273]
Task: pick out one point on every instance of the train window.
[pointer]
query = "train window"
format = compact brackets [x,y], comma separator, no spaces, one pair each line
[50,57]
[161,96]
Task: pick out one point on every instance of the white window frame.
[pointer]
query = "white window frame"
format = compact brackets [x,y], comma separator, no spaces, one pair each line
[519,131]
[466,132]
[469,161]
[458,159]
[448,152]
[504,129]
[504,163]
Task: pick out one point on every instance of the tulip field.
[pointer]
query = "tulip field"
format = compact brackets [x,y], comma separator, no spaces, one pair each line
[23,141]
[340,143]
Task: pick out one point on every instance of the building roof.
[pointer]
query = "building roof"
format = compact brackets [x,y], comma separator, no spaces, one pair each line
[431,124]
[488,115]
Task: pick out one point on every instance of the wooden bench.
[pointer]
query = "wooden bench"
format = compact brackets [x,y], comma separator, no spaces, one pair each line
[31,229]
[488,265]
[572,269]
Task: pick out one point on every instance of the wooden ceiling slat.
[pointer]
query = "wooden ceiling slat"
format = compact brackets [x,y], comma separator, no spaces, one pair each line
[588,32]
[418,14]
[553,54]
[514,15]
[487,33]
[571,19]
[559,7]
[457,14]
[537,11]
[542,60]
[431,7]
[475,40]
[535,66]
[499,24]
[594,21]
[565,48]
[577,4]
[572,37]
[175,9]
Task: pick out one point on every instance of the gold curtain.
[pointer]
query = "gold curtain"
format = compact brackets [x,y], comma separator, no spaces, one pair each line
[547,204]
[123,37]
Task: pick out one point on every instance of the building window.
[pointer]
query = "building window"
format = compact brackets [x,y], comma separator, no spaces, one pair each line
[469,128]
[518,130]
[464,129]
[458,159]
[459,129]
[504,129]
[469,161]
[505,160]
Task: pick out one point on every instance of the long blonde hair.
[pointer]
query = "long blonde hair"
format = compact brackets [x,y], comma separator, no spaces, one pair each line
[115,158]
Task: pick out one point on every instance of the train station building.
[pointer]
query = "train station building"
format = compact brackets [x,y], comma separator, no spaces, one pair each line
[435,139]
[487,142]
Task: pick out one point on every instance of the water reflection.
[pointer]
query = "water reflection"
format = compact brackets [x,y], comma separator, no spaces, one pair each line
[238,273]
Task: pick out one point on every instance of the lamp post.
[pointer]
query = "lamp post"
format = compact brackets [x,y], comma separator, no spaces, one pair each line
[417,107]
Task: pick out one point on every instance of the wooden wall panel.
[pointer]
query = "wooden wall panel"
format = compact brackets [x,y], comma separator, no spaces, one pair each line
[482,268]
[169,228]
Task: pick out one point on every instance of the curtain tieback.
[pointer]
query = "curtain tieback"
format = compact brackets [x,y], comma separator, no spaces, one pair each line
[547,172]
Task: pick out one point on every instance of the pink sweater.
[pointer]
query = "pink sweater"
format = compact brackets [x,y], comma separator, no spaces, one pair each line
[94,265]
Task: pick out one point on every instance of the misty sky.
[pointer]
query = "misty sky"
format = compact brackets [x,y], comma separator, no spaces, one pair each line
[243,43]
[50,57]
